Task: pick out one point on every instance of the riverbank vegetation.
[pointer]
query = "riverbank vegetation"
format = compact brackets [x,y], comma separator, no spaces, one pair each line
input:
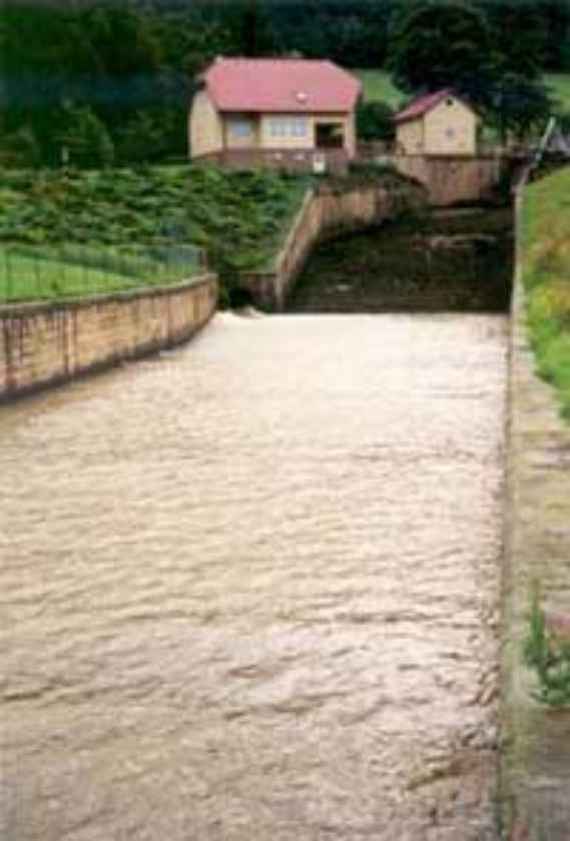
[546,277]
[238,218]
[548,654]
[150,224]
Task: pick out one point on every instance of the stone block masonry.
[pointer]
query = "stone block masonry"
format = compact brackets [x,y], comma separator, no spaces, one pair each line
[45,344]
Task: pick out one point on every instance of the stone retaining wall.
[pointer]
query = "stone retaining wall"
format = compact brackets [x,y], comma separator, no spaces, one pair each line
[536,746]
[325,213]
[452,179]
[47,343]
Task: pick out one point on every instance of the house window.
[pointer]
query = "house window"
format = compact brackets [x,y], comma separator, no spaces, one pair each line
[299,127]
[240,128]
[277,127]
[288,126]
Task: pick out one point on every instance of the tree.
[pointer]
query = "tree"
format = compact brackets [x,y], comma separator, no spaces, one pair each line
[375,121]
[20,149]
[438,44]
[519,36]
[84,139]
[521,105]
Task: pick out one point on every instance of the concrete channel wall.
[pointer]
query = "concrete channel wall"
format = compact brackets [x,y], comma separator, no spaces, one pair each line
[44,344]
[325,213]
[536,739]
[454,179]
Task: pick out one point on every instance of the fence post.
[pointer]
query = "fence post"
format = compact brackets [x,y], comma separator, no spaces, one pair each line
[8,274]
[37,274]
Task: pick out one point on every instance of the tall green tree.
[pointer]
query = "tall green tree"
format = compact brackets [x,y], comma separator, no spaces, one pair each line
[437,44]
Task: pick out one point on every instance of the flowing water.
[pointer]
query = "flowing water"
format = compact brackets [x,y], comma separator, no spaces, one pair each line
[250,588]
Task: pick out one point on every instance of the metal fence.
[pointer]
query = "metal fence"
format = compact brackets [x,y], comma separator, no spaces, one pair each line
[29,272]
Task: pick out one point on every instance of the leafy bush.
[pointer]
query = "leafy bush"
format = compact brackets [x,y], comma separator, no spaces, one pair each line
[375,121]
[85,139]
[549,656]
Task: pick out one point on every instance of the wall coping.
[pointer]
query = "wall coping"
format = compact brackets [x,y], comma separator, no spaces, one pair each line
[25,308]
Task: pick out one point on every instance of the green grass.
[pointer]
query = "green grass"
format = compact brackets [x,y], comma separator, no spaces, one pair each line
[546,276]
[377,86]
[559,84]
[32,273]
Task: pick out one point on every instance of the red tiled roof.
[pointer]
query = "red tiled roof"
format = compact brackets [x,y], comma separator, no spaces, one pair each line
[280,85]
[422,104]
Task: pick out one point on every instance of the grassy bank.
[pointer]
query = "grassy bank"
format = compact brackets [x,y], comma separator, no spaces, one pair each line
[29,272]
[546,277]
[238,218]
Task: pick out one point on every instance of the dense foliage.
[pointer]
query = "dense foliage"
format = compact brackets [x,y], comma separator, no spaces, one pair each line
[239,218]
[375,121]
[97,81]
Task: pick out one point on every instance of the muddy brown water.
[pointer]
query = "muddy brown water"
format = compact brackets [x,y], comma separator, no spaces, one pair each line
[250,588]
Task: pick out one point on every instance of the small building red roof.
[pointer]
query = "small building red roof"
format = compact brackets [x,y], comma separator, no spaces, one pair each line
[422,104]
[280,85]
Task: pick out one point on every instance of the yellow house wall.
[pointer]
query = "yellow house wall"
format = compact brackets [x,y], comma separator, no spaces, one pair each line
[410,137]
[443,118]
[205,126]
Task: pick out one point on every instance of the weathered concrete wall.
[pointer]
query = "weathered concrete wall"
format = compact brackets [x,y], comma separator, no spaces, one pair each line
[47,343]
[453,179]
[325,213]
[536,748]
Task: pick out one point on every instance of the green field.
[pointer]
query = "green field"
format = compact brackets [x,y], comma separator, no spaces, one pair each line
[67,271]
[377,86]
[546,276]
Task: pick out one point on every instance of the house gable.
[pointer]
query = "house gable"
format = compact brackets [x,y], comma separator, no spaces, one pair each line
[437,124]
[450,127]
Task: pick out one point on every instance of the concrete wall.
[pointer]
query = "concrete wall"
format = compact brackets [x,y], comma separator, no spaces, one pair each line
[536,739]
[46,343]
[453,179]
[325,213]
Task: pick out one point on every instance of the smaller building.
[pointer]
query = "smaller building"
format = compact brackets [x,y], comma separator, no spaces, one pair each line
[284,113]
[439,123]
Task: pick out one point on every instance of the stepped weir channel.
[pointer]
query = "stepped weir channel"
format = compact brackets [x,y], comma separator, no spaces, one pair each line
[251,586]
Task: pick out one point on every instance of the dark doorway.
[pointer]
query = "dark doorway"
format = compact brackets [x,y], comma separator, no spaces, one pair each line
[330,136]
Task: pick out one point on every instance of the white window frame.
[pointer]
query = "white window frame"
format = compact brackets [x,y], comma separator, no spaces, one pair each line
[280,127]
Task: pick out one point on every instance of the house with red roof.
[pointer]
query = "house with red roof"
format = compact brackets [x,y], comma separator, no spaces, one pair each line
[288,113]
[439,123]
